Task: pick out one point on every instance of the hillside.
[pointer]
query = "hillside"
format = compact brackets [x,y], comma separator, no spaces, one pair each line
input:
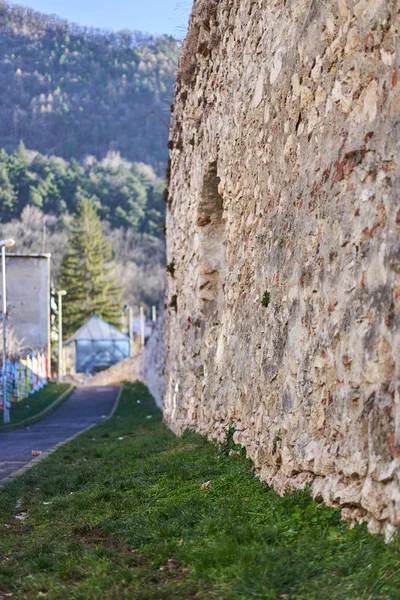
[140,258]
[71,91]
[126,194]
[84,113]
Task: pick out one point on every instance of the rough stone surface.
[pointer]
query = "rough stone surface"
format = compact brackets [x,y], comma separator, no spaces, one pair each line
[283,224]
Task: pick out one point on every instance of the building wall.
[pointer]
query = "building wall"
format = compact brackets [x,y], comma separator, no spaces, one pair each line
[283,224]
[28,299]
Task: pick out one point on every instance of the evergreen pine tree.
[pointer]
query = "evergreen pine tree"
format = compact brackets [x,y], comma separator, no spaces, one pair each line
[87,273]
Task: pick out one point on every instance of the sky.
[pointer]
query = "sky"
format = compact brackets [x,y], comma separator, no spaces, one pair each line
[151,16]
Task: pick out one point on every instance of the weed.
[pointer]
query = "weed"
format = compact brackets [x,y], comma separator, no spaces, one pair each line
[188,64]
[266,299]
[228,446]
[171,268]
[174,302]
[168,171]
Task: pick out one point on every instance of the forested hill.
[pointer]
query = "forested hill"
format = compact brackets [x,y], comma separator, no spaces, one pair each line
[72,92]
[127,195]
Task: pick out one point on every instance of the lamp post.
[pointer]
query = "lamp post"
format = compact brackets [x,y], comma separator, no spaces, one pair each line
[128,310]
[60,294]
[5,244]
[130,329]
[142,328]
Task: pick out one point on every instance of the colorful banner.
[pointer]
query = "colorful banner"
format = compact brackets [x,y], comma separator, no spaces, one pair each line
[24,377]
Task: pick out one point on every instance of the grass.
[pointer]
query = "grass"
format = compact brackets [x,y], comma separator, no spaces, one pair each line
[35,404]
[120,513]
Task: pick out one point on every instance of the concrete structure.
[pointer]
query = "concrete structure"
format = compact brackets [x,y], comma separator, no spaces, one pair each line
[28,300]
[283,227]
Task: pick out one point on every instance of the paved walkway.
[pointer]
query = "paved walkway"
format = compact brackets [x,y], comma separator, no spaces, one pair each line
[85,407]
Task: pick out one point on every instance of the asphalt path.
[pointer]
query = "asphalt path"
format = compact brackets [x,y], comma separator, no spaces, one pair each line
[84,408]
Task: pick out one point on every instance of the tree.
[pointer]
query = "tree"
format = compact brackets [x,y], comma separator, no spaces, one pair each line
[8,196]
[87,273]
[127,194]
[73,92]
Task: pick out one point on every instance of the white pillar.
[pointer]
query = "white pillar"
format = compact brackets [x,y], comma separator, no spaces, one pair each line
[60,294]
[142,328]
[60,340]
[6,411]
[130,329]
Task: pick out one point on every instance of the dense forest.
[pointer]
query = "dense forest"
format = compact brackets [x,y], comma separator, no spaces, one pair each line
[126,194]
[140,259]
[84,115]
[71,91]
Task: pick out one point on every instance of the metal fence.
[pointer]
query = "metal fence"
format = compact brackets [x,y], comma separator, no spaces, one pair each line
[24,377]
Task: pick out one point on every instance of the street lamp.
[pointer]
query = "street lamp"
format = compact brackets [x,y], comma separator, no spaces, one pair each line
[142,328]
[128,310]
[60,294]
[3,245]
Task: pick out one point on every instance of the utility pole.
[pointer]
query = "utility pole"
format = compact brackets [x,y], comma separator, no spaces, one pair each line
[142,328]
[60,295]
[5,244]
[130,329]
[44,235]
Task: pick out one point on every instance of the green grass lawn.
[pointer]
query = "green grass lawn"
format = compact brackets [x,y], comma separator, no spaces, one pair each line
[35,404]
[120,513]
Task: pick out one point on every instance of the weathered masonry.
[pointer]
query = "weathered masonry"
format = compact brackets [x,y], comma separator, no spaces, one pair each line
[283,230]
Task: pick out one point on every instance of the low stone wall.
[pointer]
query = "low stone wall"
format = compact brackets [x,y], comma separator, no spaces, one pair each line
[147,366]
[130,369]
[283,234]
[153,367]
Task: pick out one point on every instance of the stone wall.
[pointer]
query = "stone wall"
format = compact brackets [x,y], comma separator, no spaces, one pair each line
[147,366]
[283,233]
[130,369]
[153,371]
